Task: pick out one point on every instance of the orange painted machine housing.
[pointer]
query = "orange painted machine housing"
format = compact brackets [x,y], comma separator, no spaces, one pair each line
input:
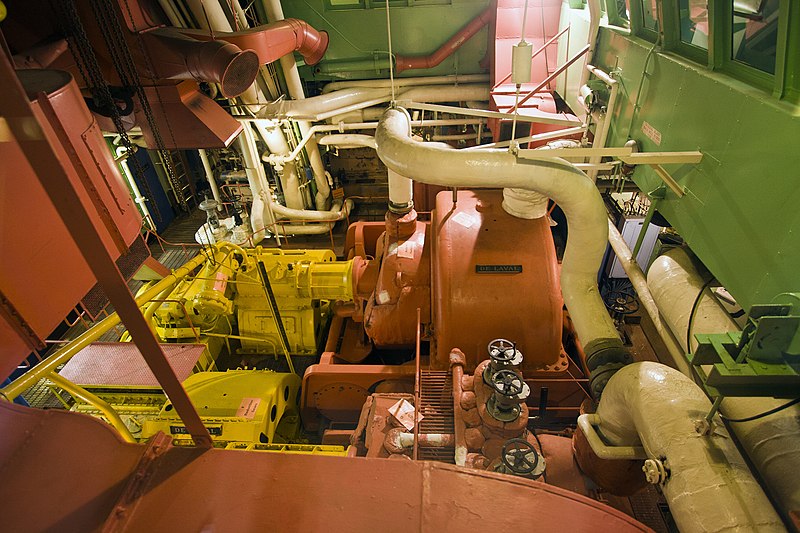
[494,275]
[38,253]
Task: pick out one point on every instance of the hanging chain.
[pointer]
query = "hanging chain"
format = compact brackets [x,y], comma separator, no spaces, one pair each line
[126,69]
[81,49]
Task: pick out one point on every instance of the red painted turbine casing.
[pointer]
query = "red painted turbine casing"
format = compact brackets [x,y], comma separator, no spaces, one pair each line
[517,297]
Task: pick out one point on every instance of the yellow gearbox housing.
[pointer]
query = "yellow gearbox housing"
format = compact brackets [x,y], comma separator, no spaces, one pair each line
[303,281]
[250,406]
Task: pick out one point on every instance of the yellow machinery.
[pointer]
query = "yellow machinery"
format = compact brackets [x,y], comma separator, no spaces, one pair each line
[233,296]
[230,293]
[244,406]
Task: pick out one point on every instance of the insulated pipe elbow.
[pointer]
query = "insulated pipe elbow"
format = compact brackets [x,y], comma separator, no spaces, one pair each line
[439,164]
[709,486]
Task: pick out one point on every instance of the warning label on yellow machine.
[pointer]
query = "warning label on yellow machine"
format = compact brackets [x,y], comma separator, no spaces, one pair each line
[248,407]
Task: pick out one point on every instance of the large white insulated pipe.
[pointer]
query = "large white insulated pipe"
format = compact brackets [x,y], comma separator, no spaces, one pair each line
[440,164]
[709,486]
[355,98]
[290,182]
[405,82]
[262,214]
[295,86]
[772,443]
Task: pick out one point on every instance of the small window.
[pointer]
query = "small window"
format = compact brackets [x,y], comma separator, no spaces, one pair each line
[755,33]
[650,15]
[694,22]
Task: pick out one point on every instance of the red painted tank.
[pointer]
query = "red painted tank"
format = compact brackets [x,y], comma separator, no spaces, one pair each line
[494,275]
[42,273]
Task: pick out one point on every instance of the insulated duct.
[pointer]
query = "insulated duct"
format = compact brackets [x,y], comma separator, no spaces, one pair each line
[705,480]
[439,164]
[771,443]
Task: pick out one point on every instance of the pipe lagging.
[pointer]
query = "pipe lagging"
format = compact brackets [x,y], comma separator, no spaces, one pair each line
[440,164]
[337,102]
[709,486]
[339,211]
[771,443]
[401,189]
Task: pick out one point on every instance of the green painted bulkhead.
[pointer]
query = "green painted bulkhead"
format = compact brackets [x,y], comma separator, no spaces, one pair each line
[740,212]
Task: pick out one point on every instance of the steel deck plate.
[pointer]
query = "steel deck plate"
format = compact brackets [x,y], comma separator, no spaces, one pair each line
[120,364]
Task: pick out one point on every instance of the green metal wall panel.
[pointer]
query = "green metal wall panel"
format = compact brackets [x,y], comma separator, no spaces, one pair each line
[740,214]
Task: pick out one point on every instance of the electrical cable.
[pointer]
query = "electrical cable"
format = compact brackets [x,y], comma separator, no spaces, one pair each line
[695,305]
[762,415]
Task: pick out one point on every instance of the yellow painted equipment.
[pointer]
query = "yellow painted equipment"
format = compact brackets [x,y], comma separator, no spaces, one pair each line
[308,449]
[252,406]
[302,281]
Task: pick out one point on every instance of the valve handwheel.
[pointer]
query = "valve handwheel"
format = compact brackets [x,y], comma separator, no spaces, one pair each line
[519,456]
[508,383]
[502,350]
[621,302]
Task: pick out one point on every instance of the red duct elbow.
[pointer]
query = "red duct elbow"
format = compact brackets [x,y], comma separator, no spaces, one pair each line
[453,43]
[273,41]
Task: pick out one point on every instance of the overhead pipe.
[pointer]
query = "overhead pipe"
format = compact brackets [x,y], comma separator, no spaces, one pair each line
[771,443]
[344,100]
[571,189]
[704,479]
[273,41]
[295,86]
[405,82]
[273,136]
[211,18]
[403,63]
[212,182]
[180,57]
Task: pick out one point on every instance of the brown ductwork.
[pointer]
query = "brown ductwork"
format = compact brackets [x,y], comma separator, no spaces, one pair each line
[273,41]
[453,43]
[178,57]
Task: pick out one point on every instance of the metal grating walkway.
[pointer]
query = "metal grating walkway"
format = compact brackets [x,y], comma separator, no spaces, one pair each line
[436,405]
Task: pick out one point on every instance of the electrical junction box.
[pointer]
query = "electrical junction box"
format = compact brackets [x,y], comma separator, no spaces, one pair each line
[630,228]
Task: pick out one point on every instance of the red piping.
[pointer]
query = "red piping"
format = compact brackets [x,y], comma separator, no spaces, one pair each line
[446,50]
[273,41]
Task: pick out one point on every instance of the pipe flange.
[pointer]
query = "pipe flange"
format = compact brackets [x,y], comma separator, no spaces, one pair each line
[655,471]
